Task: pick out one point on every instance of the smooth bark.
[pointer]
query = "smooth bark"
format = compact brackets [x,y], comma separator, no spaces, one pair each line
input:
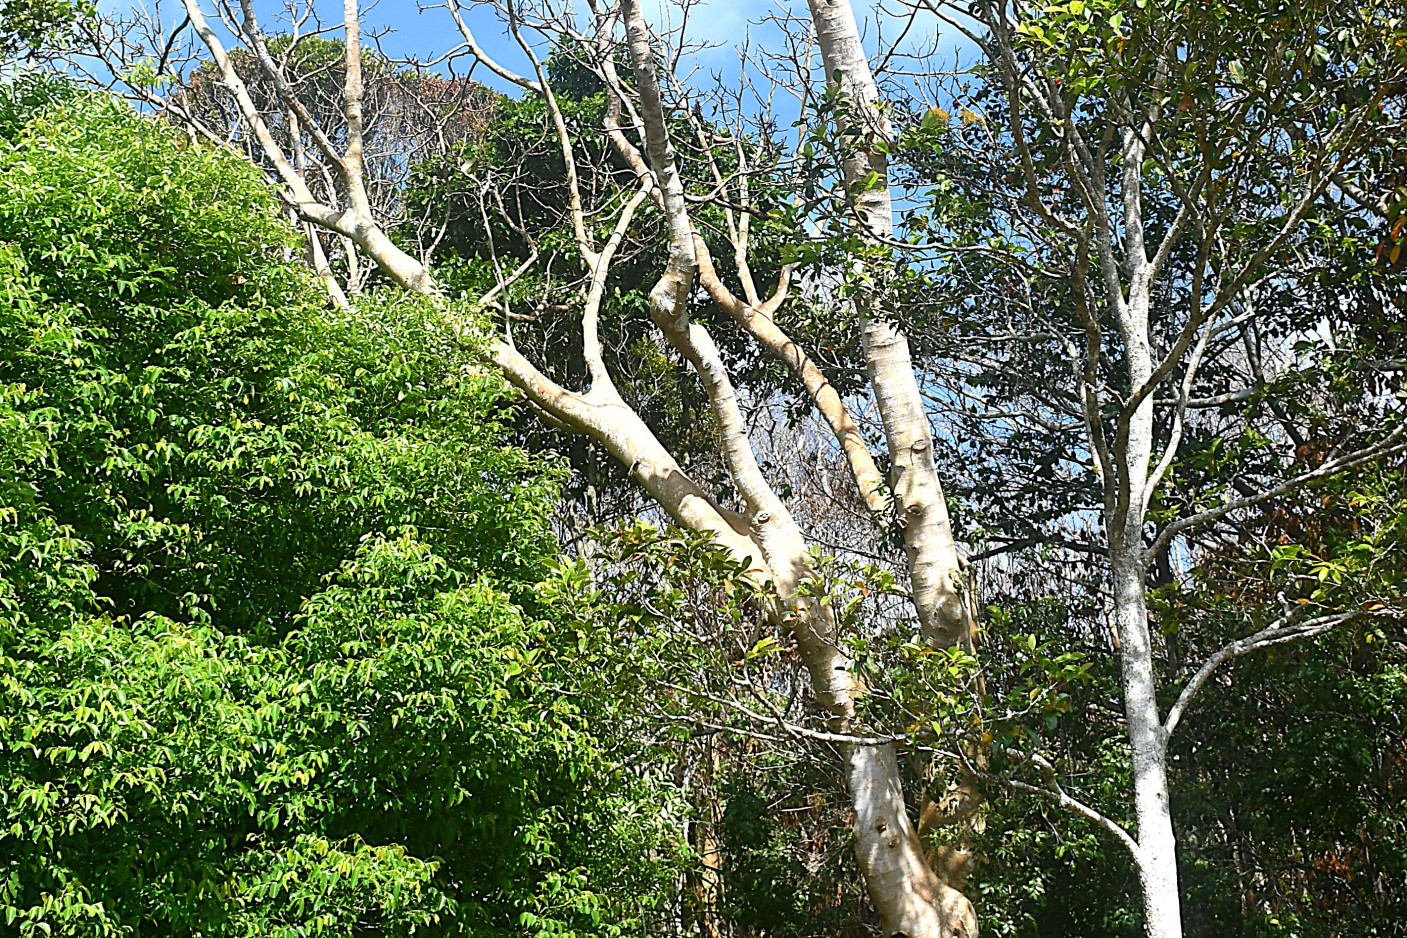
[922,512]
[1133,451]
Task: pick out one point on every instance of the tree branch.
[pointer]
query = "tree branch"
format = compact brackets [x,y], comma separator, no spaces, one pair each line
[1280,632]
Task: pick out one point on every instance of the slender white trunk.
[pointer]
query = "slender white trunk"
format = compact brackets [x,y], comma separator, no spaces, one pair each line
[1128,573]
[918,496]
[1148,745]
[1162,906]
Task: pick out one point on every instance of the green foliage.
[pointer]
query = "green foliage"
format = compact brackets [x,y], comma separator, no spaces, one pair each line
[1305,752]
[27,25]
[668,618]
[784,851]
[1044,875]
[271,661]
[1304,748]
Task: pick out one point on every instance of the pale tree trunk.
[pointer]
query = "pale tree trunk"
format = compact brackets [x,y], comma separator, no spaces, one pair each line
[921,510]
[1157,860]
[1148,739]
[911,901]
[910,898]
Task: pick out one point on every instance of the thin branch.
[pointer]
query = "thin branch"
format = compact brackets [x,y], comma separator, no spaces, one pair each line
[1391,445]
[1280,632]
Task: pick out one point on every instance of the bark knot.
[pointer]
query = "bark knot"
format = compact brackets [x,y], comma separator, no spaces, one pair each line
[952,611]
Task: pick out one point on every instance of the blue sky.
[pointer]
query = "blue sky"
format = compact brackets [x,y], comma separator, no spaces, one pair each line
[724,23]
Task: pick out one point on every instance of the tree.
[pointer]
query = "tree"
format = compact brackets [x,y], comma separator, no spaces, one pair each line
[1146,223]
[762,535]
[272,658]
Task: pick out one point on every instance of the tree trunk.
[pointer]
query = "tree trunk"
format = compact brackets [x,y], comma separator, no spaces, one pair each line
[918,496]
[1148,739]
[1148,745]
[910,897]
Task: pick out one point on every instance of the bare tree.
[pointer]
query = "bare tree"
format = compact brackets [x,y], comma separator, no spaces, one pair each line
[761,531]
